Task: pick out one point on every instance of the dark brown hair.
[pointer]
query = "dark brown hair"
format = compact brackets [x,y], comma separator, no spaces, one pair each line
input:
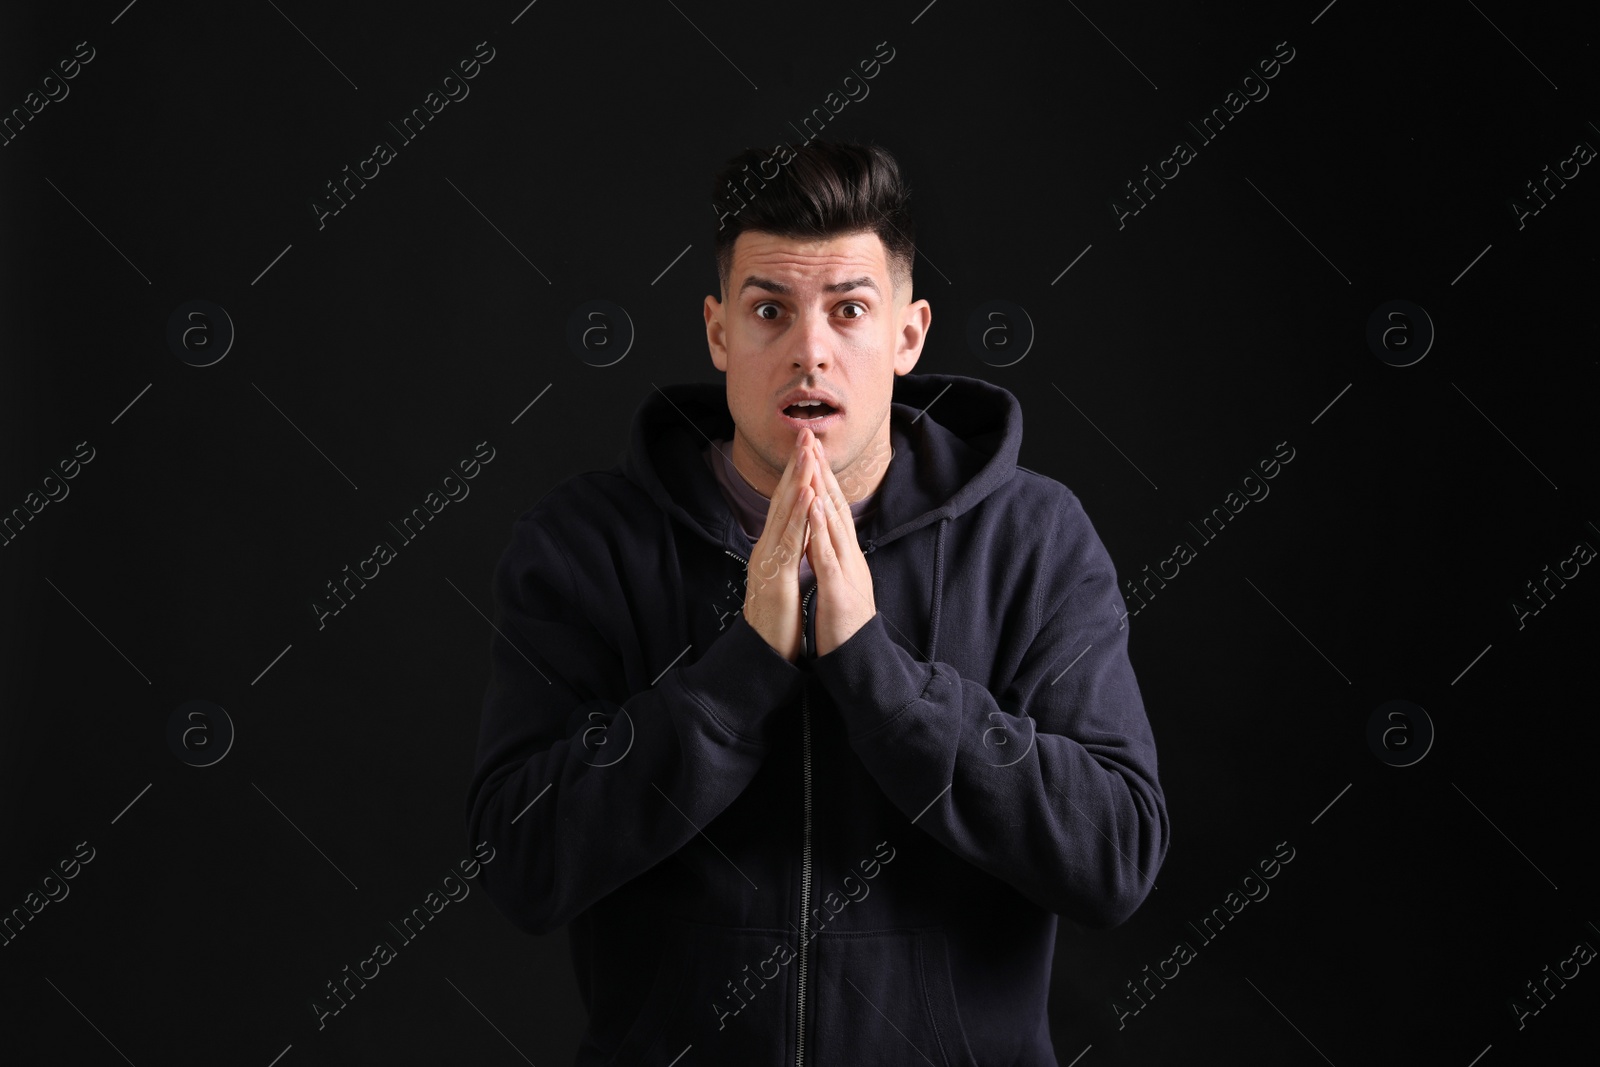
[821,189]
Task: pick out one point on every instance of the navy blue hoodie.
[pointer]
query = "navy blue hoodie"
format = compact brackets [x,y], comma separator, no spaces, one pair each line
[857,858]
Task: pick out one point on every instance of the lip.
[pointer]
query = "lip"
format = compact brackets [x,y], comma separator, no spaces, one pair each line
[794,396]
[817,425]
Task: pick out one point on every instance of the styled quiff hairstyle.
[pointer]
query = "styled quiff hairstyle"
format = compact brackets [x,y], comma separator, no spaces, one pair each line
[820,190]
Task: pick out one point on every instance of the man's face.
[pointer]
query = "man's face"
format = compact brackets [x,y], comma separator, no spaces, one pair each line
[816,315]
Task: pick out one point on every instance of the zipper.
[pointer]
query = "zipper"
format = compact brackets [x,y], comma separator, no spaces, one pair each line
[805,845]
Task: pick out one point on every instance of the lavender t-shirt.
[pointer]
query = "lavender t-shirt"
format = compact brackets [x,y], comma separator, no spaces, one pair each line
[750,507]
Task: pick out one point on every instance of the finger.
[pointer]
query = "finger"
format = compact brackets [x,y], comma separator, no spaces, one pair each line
[830,483]
[830,518]
[796,531]
[789,509]
[834,500]
[792,506]
[793,471]
[776,545]
[820,550]
[830,528]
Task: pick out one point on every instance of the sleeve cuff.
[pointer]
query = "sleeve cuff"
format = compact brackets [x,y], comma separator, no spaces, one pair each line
[871,678]
[741,680]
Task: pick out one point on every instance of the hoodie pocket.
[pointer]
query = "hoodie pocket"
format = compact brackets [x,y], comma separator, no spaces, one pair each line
[719,990]
[885,998]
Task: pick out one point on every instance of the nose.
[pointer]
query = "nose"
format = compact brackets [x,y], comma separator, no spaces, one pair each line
[811,337]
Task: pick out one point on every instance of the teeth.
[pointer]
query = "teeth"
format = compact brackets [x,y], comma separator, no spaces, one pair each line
[804,405]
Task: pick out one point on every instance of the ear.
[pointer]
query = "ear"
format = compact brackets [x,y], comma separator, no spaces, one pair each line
[715,334]
[915,321]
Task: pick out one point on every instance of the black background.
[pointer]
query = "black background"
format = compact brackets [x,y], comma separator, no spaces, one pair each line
[1177,351]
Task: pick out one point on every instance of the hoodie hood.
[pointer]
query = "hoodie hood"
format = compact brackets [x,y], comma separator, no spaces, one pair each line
[947,459]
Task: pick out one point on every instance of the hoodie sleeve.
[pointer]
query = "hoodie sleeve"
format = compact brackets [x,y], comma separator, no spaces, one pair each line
[583,780]
[1052,788]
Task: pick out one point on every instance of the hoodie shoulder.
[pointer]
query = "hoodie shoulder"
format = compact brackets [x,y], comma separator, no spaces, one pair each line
[1064,524]
[1057,513]
[1043,495]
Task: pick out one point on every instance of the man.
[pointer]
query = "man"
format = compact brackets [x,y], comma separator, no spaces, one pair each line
[808,720]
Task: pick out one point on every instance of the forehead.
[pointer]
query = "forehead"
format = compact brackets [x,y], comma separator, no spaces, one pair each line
[809,262]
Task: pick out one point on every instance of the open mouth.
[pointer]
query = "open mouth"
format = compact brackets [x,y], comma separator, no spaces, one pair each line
[810,409]
[818,416]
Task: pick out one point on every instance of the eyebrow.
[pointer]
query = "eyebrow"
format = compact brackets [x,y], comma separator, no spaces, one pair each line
[757,282]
